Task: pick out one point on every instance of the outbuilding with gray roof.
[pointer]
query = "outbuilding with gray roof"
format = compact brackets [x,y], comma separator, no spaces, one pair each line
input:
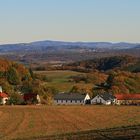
[71,99]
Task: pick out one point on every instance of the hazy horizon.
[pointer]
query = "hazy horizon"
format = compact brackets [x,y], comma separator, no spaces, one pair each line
[68,41]
[27,21]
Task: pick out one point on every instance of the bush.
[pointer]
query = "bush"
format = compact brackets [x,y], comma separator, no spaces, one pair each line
[15,99]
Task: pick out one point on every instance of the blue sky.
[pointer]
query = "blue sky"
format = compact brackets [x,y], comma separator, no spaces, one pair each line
[69,20]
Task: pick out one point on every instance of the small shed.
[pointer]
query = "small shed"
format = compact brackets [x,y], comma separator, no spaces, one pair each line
[31,98]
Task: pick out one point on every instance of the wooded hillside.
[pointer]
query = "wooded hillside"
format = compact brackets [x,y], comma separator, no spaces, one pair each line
[127,63]
[16,80]
[112,74]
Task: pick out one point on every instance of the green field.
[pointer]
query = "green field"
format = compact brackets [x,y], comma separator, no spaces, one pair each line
[41,121]
[60,79]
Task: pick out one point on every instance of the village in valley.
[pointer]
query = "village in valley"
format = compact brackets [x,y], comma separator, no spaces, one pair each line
[67,100]
[70,70]
[70,84]
[78,99]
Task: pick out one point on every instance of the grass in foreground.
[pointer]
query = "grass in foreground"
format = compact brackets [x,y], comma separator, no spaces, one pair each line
[38,121]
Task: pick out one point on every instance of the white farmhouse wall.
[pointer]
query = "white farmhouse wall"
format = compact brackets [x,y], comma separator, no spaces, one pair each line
[0,89]
[120,102]
[97,100]
[38,99]
[86,98]
[68,102]
[4,100]
[108,102]
[72,102]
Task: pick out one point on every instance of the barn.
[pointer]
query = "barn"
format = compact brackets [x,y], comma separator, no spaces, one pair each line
[31,98]
[127,99]
[71,99]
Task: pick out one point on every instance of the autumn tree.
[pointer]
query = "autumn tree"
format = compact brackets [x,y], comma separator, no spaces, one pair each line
[15,99]
[109,81]
[46,93]
[31,73]
[27,86]
[6,87]
[12,76]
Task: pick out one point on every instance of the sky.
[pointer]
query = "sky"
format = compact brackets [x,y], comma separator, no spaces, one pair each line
[69,20]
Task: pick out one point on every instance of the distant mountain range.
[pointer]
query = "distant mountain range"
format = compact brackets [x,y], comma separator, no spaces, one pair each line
[48,45]
[59,51]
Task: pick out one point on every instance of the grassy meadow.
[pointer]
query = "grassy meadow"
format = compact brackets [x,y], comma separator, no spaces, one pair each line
[60,79]
[38,121]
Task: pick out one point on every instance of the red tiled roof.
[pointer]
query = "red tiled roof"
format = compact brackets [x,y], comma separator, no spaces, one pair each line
[127,96]
[3,95]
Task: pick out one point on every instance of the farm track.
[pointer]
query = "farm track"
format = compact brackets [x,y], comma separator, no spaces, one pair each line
[10,129]
[64,122]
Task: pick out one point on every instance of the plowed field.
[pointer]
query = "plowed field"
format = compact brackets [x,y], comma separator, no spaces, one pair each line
[39,121]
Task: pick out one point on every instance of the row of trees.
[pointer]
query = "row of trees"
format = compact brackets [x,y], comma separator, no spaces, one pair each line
[17,80]
[113,82]
[126,63]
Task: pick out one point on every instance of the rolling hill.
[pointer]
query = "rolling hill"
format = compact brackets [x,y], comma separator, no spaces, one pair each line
[60,45]
[63,52]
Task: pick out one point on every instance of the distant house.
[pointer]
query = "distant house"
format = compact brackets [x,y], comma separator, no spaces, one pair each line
[71,99]
[104,98]
[31,98]
[127,99]
[3,97]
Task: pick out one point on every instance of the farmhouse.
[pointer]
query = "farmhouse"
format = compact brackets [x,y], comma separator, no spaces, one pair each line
[104,98]
[3,97]
[31,98]
[71,99]
[127,99]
